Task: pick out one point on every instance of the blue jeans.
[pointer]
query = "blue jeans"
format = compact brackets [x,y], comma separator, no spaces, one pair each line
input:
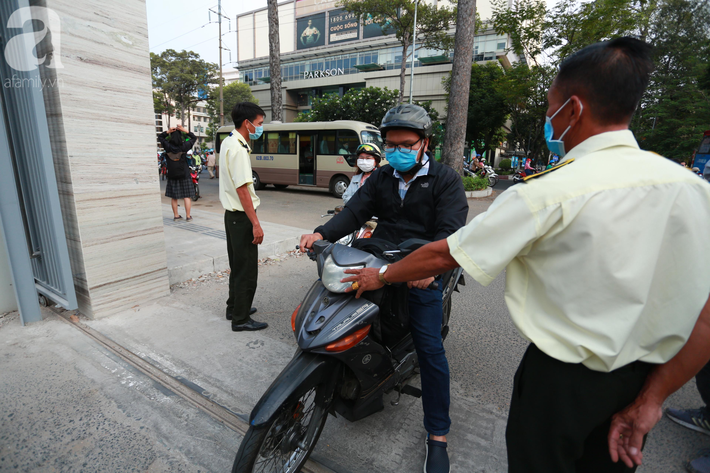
[425,314]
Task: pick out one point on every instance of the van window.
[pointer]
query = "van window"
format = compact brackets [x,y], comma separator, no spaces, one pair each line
[372,137]
[220,138]
[327,142]
[348,142]
[286,143]
[257,146]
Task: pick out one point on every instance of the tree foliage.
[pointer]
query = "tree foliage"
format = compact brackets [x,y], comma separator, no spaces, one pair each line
[179,78]
[232,94]
[673,112]
[397,16]
[368,105]
[487,106]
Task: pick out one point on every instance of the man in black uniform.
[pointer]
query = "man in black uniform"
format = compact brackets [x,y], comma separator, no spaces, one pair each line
[413,197]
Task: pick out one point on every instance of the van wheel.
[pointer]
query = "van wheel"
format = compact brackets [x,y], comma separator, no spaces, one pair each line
[338,186]
[257,182]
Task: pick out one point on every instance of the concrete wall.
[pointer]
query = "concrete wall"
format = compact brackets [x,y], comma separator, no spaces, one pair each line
[102,132]
[8,303]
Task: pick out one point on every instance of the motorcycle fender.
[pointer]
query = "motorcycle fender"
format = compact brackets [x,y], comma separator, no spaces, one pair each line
[302,367]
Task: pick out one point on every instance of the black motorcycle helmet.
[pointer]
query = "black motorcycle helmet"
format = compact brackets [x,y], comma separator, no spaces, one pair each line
[409,116]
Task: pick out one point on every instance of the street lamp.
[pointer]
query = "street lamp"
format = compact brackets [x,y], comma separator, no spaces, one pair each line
[414,50]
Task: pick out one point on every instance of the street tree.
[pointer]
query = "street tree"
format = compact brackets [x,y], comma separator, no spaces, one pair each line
[161,99]
[524,23]
[183,77]
[459,84]
[486,109]
[232,94]
[674,111]
[397,16]
[368,105]
[275,62]
[525,91]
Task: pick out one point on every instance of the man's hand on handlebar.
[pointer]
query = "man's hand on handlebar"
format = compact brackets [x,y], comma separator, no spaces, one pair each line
[421,284]
[308,240]
[368,279]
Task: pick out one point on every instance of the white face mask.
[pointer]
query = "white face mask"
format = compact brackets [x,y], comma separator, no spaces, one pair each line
[366,164]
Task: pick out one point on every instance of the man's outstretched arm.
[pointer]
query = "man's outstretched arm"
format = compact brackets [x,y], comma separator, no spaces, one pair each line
[630,425]
[427,261]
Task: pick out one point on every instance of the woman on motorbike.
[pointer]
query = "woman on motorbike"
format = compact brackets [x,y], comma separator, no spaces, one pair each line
[368,159]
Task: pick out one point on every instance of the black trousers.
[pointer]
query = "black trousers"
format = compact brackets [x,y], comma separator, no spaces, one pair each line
[702,381]
[560,414]
[244,265]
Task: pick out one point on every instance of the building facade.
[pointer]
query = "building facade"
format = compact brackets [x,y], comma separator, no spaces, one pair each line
[325,50]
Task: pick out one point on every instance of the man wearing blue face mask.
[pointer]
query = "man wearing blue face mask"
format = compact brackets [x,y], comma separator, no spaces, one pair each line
[413,197]
[244,233]
[602,274]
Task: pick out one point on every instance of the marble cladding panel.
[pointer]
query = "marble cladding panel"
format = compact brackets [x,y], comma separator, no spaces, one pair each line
[109,135]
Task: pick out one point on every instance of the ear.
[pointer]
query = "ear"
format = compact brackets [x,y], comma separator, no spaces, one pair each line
[575,110]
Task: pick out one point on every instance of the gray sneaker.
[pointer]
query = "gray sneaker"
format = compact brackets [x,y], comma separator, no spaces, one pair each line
[695,419]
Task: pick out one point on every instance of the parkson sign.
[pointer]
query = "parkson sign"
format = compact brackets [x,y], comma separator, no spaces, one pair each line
[327,73]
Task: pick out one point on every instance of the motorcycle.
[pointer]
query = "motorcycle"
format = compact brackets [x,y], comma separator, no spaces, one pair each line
[195,175]
[486,172]
[365,231]
[351,352]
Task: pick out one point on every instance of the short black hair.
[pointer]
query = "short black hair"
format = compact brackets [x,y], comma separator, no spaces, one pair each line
[611,75]
[245,111]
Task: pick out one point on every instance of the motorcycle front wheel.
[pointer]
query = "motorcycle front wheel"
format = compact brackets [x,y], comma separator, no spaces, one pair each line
[197,193]
[492,181]
[284,445]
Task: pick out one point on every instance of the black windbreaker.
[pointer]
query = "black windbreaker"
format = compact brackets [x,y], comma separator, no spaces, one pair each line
[434,207]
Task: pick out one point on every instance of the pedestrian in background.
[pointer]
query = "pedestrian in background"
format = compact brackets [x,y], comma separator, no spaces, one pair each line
[368,159]
[210,164]
[244,233]
[177,142]
[697,419]
[602,273]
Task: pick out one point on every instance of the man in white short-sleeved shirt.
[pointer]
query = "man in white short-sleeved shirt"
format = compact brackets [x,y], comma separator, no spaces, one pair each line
[244,233]
[602,273]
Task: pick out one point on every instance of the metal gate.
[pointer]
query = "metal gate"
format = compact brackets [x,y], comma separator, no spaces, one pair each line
[32,222]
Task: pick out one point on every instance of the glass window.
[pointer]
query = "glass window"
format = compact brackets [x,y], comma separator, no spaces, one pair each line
[258,145]
[327,143]
[281,143]
[348,142]
[501,45]
[372,137]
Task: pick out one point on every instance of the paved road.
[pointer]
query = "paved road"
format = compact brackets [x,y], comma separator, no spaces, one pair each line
[298,206]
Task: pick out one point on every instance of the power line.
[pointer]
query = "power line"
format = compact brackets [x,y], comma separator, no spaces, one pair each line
[181,16]
[177,37]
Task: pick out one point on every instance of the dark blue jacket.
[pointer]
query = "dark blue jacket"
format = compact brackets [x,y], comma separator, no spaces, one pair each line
[434,207]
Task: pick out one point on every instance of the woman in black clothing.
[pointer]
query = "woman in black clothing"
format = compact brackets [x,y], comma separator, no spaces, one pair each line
[177,142]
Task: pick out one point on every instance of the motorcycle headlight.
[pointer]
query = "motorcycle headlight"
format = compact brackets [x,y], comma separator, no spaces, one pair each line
[332,274]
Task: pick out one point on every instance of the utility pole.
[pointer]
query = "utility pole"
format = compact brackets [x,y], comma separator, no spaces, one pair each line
[221,92]
[452,153]
[275,62]
[414,51]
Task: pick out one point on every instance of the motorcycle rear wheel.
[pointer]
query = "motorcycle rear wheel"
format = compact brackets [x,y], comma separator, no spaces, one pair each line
[284,445]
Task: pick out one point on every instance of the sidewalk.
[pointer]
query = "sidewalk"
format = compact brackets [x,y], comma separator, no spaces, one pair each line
[199,247]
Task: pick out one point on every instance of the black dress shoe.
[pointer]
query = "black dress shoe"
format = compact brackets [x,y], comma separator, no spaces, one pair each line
[437,460]
[252,311]
[249,326]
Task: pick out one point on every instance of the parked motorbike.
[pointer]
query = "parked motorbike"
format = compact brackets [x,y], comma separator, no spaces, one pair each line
[195,175]
[351,352]
[365,231]
[486,172]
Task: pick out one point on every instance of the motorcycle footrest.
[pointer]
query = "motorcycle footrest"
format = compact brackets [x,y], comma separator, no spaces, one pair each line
[411,391]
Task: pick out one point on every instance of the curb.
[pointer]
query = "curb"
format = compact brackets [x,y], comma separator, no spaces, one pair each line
[210,264]
[479,194]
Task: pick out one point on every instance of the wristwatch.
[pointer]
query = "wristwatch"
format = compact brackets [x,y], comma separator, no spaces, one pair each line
[382,274]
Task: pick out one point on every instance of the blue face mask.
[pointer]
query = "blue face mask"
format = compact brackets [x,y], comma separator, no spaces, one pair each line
[258,131]
[557,146]
[402,162]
